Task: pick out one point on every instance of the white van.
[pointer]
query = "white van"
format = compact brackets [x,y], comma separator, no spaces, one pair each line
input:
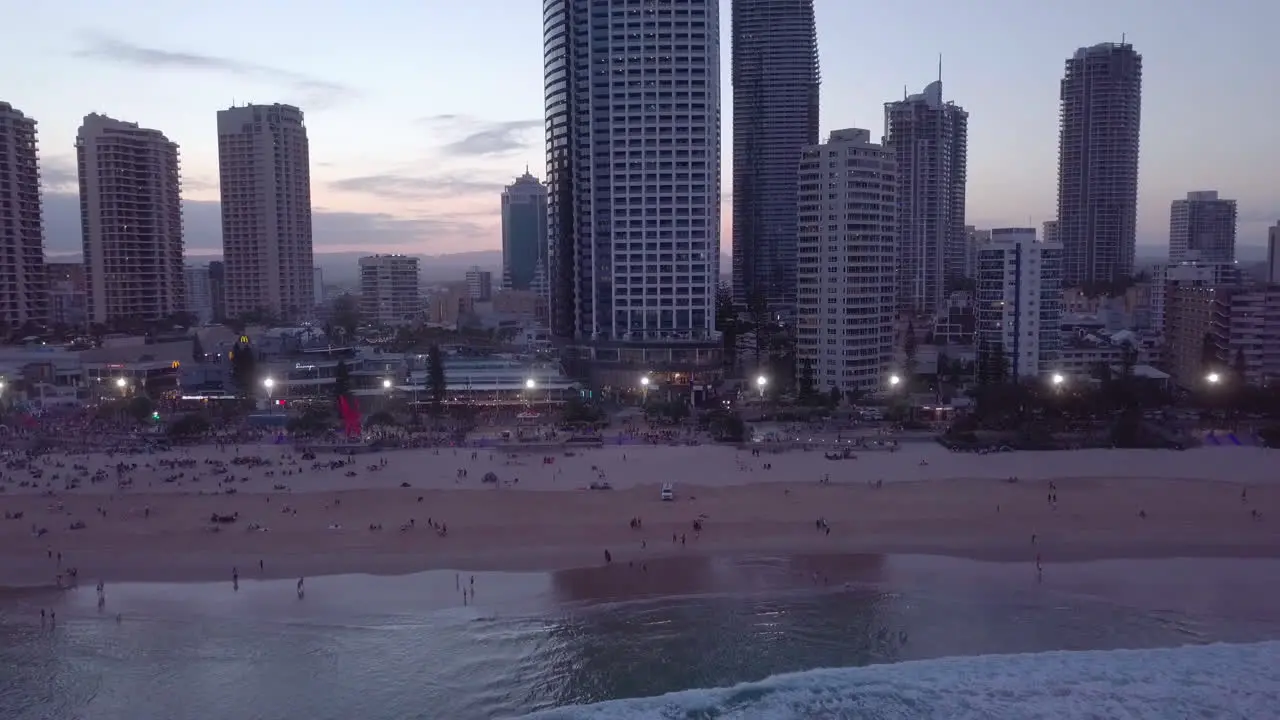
[668,493]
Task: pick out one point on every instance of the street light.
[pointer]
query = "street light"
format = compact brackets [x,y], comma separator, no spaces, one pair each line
[1213,378]
[1057,379]
[386,384]
[269,384]
[644,389]
[121,385]
[761,381]
[530,384]
[894,381]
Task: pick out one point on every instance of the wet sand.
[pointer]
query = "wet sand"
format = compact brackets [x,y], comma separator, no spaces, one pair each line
[959,505]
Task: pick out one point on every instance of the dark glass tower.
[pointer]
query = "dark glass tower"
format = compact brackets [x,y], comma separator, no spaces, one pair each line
[775,117]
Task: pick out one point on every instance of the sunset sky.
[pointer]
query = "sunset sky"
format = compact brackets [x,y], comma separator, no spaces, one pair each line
[419,111]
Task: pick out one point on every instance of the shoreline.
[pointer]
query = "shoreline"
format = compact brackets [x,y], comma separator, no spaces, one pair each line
[515,531]
[181,571]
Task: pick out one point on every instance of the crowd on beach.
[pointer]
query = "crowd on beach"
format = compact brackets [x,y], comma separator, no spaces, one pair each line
[122,463]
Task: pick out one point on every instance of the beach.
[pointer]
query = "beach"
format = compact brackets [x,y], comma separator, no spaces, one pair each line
[292,519]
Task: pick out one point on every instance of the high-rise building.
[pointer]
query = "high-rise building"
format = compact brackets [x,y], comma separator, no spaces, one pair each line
[1167,277]
[199,293]
[479,284]
[1019,300]
[847,244]
[929,139]
[1209,329]
[1050,231]
[974,240]
[775,117]
[1100,118]
[264,165]
[68,294]
[1202,228]
[524,232]
[1273,254]
[633,179]
[23,289]
[389,293]
[218,289]
[131,220]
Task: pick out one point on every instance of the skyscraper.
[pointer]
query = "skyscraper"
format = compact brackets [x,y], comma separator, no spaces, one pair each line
[389,293]
[524,232]
[1273,254]
[775,117]
[1019,300]
[199,293]
[23,282]
[1202,228]
[974,240]
[1049,231]
[847,245]
[131,220]
[1100,119]
[264,167]
[633,176]
[929,140]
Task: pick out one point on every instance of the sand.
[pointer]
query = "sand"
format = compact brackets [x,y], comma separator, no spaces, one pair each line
[932,502]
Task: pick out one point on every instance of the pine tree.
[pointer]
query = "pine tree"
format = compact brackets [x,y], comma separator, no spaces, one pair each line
[244,368]
[341,379]
[435,377]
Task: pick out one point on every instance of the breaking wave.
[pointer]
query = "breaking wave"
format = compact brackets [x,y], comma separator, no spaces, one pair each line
[1207,681]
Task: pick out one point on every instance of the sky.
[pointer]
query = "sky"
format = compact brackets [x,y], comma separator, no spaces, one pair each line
[419,111]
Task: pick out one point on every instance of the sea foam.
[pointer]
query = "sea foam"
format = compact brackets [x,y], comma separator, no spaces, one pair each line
[1218,681]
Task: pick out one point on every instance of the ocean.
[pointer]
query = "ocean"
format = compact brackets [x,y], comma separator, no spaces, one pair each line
[863,637]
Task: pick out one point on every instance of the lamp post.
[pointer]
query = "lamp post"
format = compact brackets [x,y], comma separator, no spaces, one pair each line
[122,385]
[894,381]
[1058,380]
[761,382]
[1213,378]
[644,389]
[270,385]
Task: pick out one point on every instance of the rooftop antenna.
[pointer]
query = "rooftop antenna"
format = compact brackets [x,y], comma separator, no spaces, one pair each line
[939,67]
[904,92]
[1122,38]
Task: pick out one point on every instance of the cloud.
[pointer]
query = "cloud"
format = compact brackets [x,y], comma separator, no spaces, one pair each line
[59,173]
[1251,214]
[315,92]
[407,187]
[497,139]
[483,137]
[379,232]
